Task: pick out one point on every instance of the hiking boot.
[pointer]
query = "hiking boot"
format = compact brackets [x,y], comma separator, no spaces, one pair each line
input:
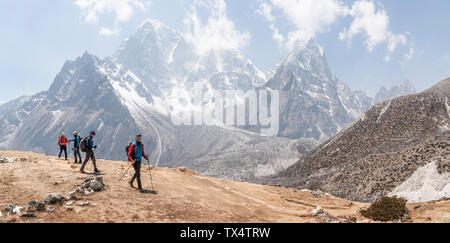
[82,172]
[141,190]
[131,184]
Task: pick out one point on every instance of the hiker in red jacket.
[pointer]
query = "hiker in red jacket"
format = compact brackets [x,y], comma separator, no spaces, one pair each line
[62,141]
[135,154]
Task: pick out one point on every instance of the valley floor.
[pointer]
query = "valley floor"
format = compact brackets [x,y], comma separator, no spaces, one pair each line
[182,196]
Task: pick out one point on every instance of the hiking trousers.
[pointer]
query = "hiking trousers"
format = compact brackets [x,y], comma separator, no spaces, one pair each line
[61,149]
[90,155]
[77,155]
[137,174]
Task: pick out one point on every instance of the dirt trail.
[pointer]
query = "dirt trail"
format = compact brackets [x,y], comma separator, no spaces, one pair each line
[182,196]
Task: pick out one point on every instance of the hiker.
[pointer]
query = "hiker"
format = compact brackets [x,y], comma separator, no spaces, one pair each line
[76,147]
[62,141]
[135,154]
[90,154]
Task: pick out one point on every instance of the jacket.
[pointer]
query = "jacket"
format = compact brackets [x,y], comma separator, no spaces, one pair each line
[138,150]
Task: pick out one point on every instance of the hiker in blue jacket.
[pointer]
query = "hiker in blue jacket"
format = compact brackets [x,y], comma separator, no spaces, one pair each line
[136,153]
[76,147]
[90,154]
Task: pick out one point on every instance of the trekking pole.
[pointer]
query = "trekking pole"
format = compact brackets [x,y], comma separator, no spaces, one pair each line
[125,173]
[150,172]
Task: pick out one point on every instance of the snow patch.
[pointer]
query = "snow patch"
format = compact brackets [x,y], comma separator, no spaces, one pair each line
[57,115]
[426,184]
[385,108]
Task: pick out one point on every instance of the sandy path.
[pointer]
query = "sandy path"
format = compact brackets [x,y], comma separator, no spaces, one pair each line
[183,196]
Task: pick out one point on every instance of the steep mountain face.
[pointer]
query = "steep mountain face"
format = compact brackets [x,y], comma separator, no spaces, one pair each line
[165,61]
[158,55]
[81,98]
[381,150]
[314,103]
[14,113]
[226,70]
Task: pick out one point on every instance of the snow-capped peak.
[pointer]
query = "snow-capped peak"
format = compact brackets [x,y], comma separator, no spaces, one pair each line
[155,26]
[308,56]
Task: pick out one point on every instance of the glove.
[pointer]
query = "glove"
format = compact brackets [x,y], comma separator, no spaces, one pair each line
[95,146]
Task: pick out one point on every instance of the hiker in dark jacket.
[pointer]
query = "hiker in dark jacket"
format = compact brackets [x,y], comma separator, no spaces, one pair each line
[90,153]
[76,147]
[62,142]
[135,155]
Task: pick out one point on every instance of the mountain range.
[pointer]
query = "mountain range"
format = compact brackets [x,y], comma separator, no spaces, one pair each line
[153,74]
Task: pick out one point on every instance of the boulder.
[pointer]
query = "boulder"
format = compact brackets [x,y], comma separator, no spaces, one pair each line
[12,209]
[323,215]
[88,192]
[83,204]
[93,184]
[99,179]
[34,206]
[7,160]
[317,211]
[96,186]
[53,198]
[28,215]
[74,194]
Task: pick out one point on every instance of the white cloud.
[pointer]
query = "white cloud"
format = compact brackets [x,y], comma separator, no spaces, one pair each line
[312,17]
[122,10]
[266,11]
[409,56]
[374,24]
[217,32]
[109,31]
[309,17]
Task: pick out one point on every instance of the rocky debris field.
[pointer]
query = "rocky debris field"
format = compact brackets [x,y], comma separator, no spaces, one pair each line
[10,160]
[51,201]
[45,189]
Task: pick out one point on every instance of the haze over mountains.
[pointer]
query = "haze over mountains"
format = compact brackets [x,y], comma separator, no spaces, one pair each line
[153,74]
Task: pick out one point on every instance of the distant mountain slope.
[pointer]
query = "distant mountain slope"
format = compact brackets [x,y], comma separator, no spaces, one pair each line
[14,113]
[380,150]
[405,88]
[314,103]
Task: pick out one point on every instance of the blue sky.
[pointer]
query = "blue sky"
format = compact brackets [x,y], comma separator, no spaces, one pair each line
[369,44]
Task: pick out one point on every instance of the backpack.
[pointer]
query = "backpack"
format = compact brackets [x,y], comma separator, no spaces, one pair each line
[83,145]
[127,149]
